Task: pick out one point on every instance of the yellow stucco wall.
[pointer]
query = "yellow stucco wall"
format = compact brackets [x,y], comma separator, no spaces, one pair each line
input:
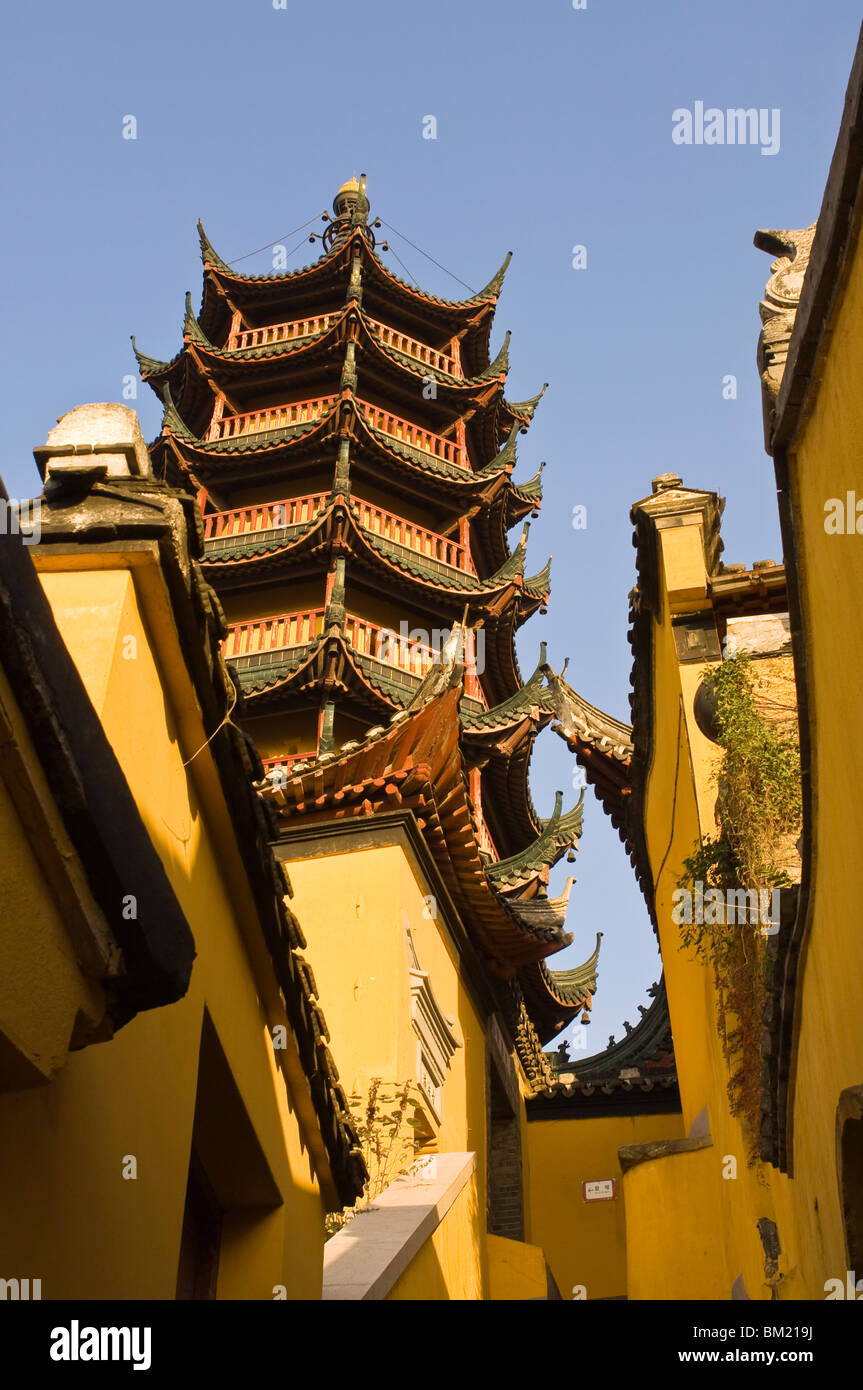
[516,1271]
[828,1056]
[45,994]
[68,1214]
[676,1248]
[450,1263]
[730,1193]
[585,1242]
[825,463]
[355,906]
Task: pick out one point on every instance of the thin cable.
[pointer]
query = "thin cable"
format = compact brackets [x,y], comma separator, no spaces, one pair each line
[404,267]
[293,249]
[270,244]
[426,254]
[227,720]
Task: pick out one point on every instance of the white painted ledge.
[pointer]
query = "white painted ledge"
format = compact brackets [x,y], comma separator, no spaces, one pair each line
[366,1258]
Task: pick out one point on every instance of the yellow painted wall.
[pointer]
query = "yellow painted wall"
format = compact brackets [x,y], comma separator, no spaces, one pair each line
[43,988]
[730,1193]
[674,821]
[661,1195]
[68,1215]
[585,1242]
[516,1271]
[450,1263]
[676,1248]
[826,463]
[278,734]
[355,907]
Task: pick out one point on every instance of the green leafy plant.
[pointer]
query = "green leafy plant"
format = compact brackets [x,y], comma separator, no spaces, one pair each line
[759,810]
[391,1129]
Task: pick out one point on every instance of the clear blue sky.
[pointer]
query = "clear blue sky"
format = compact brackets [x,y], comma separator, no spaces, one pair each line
[553,130]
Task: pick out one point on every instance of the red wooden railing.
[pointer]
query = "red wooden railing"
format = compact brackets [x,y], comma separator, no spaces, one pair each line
[273,634]
[296,629]
[368,639]
[307,328]
[275,417]
[280,332]
[413,435]
[413,348]
[303,412]
[392,527]
[294,511]
[266,516]
[382,643]
[387,645]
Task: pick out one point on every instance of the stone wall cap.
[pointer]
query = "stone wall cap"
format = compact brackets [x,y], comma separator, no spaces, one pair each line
[106,428]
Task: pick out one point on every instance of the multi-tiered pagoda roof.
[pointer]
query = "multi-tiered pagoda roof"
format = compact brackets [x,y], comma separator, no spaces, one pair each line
[352,448]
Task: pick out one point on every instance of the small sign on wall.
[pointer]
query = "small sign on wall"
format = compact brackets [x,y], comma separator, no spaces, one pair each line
[601,1190]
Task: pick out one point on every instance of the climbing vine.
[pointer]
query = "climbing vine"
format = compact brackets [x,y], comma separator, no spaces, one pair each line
[759,812]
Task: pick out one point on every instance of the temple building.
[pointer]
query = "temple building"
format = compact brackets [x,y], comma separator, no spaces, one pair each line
[281,643]
[351,447]
[279,1005]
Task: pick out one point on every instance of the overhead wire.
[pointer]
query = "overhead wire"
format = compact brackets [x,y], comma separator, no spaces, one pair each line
[286,236]
[384,223]
[277,241]
[412,278]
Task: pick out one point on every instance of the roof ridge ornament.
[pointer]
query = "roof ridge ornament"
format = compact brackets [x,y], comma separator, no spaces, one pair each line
[208,254]
[147,366]
[351,208]
[505,458]
[191,328]
[495,284]
[525,410]
[499,366]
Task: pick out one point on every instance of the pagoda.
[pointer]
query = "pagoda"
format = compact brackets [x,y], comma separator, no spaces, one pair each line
[353,452]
